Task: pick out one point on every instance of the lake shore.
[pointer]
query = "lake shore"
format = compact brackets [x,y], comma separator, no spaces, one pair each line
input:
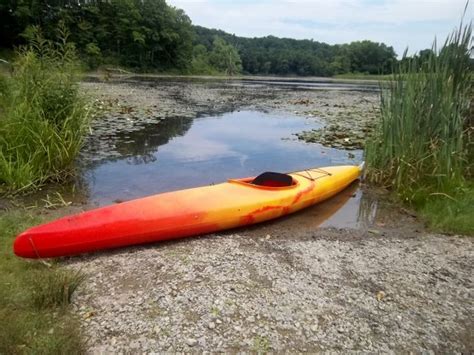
[287,285]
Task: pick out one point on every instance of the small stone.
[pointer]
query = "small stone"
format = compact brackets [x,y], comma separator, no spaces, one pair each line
[134,345]
[191,342]
[374,231]
[211,325]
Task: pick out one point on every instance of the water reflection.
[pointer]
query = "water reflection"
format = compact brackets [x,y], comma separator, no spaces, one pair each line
[182,153]
[351,208]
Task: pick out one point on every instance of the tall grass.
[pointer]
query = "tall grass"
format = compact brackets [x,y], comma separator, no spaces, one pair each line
[42,115]
[421,145]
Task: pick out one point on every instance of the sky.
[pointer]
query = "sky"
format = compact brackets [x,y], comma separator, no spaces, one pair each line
[398,23]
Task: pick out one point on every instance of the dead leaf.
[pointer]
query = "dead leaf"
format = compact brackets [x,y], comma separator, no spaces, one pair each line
[89,314]
[380,295]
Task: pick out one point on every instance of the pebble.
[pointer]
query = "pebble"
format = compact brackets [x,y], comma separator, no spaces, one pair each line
[191,342]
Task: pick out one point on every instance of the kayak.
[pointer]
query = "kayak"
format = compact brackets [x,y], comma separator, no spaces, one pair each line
[183,213]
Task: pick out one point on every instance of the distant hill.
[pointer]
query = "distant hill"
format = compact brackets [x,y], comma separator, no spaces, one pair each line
[286,56]
[150,35]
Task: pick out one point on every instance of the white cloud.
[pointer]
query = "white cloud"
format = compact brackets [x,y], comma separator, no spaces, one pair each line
[399,23]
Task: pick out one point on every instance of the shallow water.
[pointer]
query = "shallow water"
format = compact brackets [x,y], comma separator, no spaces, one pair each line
[293,84]
[182,153]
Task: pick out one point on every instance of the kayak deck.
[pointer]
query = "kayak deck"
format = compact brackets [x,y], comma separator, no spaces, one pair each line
[177,214]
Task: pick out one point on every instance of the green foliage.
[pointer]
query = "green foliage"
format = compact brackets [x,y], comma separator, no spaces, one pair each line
[450,211]
[55,289]
[224,57]
[146,34]
[369,57]
[43,117]
[28,327]
[421,147]
[151,35]
[200,63]
[284,56]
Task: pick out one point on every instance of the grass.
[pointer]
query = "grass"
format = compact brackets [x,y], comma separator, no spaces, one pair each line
[42,116]
[450,213]
[34,298]
[421,148]
[261,344]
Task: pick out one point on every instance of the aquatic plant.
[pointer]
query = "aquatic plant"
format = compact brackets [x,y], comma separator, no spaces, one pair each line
[422,139]
[422,146]
[43,116]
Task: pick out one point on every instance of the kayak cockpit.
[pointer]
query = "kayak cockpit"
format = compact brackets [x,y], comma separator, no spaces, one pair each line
[268,181]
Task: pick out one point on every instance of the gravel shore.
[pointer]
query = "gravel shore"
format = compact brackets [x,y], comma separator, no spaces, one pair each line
[331,289]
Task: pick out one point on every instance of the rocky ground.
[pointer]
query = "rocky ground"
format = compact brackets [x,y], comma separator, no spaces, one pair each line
[288,285]
[280,287]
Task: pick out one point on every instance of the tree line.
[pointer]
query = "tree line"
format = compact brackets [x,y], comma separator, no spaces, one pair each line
[150,35]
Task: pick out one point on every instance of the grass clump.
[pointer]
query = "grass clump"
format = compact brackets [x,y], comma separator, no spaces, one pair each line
[42,115]
[34,298]
[421,148]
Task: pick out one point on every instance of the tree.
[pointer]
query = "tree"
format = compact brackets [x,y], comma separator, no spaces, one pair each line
[225,57]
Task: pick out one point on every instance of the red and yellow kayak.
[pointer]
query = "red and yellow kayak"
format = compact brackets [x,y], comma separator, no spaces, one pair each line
[183,213]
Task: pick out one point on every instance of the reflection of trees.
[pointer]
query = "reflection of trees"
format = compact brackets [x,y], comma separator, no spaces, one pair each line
[140,144]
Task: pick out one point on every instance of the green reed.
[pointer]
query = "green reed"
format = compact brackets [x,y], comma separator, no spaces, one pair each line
[421,145]
[42,115]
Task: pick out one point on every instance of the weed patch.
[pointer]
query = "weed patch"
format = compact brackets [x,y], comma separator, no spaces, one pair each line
[34,298]
[42,116]
[422,148]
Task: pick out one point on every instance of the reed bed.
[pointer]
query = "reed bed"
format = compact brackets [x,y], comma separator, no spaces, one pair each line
[422,137]
[422,147]
[42,115]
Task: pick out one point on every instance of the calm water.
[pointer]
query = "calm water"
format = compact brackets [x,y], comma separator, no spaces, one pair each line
[294,84]
[182,153]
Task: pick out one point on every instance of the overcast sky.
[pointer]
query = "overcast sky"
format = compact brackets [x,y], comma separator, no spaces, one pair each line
[399,23]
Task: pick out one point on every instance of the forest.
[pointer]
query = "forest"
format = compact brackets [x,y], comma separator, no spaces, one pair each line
[152,36]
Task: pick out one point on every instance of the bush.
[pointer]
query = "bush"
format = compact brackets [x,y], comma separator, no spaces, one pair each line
[43,117]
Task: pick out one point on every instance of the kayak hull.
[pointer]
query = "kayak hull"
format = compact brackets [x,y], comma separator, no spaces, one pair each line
[183,213]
